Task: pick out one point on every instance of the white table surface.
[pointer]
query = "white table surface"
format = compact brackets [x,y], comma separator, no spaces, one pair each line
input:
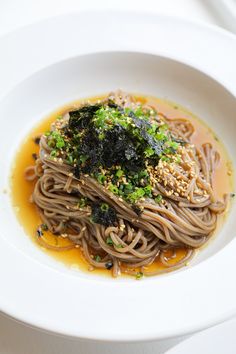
[15,337]
[15,13]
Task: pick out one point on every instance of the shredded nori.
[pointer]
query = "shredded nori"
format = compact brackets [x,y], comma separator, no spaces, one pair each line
[156,145]
[136,209]
[77,171]
[103,214]
[35,156]
[39,231]
[179,141]
[109,264]
[80,118]
[37,140]
[116,148]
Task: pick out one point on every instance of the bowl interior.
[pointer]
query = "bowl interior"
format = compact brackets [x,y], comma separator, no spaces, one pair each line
[95,74]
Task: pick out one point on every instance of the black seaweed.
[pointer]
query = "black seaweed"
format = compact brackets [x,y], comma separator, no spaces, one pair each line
[112,104]
[139,123]
[179,141]
[35,156]
[109,265]
[39,231]
[143,125]
[77,171]
[136,209]
[116,148]
[91,147]
[37,140]
[104,216]
[81,118]
[156,145]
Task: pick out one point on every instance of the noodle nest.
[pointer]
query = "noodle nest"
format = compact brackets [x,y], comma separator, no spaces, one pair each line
[185,215]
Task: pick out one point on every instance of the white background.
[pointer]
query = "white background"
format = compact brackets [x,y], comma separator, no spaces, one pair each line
[15,13]
[15,337]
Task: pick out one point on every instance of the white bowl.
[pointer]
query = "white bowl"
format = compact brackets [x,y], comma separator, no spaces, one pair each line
[37,289]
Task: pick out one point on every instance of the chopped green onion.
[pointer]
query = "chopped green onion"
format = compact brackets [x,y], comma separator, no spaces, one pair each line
[51,143]
[97,258]
[153,129]
[44,227]
[173,144]
[101,178]
[101,136]
[165,158]
[70,159]
[119,246]
[148,190]
[53,153]
[104,207]
[149,152]
[119,173]
[83,158]
[158,199]
[60,143]
[109,241]
[137,194]
[114,189]
[139,275]
[177,159]
[163,128]
[161,136]
[82,203]
[143,174]
[128,188]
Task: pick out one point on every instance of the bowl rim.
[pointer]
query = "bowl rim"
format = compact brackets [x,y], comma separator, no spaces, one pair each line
[14,311]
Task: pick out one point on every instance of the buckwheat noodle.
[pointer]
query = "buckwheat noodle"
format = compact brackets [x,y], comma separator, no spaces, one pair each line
[187,217]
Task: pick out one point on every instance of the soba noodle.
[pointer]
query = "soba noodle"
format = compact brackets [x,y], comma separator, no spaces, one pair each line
[185,214]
